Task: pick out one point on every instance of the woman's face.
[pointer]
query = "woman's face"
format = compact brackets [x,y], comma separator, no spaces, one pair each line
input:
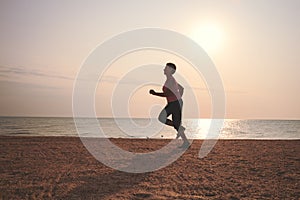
[167,70]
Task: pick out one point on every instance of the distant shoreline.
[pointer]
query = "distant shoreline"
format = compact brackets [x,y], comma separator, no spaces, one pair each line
[128,138]
[271,119]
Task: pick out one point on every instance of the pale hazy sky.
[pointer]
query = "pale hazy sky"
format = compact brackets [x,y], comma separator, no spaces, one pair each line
[254,44]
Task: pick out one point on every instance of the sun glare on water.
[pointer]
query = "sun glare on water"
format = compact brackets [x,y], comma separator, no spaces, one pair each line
[209,36]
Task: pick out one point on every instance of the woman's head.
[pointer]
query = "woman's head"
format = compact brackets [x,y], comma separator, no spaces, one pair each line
[170,69]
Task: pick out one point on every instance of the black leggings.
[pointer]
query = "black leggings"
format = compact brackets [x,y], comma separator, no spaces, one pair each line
[173,108]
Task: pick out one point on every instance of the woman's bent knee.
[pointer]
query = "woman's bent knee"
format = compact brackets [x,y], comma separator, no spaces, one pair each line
[163,117]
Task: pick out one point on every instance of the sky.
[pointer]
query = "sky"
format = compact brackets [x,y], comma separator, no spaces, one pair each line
[254,45]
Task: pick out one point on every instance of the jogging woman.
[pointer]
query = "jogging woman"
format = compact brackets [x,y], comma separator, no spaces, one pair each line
[173,93]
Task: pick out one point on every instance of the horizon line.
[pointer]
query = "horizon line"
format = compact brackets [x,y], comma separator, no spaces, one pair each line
[99,117]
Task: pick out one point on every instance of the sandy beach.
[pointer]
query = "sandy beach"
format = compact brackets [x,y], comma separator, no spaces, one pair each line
[61,168]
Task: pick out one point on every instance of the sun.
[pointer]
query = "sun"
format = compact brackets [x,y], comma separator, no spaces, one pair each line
[209,36]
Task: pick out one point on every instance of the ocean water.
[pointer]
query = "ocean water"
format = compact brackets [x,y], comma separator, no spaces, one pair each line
[149,128]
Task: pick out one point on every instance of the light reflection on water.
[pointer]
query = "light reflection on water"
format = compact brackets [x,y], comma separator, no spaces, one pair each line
[151,128]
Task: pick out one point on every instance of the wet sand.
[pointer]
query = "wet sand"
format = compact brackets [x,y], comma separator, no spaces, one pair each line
[61,168]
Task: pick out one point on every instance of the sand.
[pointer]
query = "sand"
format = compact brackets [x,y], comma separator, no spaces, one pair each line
[61,168]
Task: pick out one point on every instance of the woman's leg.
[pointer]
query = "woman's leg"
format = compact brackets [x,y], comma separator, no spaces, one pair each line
[177,117]
[166,112]
[163,116]
[175,109]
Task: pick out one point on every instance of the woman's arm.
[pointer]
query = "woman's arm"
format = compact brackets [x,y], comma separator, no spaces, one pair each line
[161,94]
[181,89]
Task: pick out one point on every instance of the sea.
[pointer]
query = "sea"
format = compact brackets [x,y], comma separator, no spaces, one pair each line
[150,128]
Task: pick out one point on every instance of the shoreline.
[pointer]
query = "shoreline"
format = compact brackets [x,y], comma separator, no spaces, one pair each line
[135,138]
[62,168]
